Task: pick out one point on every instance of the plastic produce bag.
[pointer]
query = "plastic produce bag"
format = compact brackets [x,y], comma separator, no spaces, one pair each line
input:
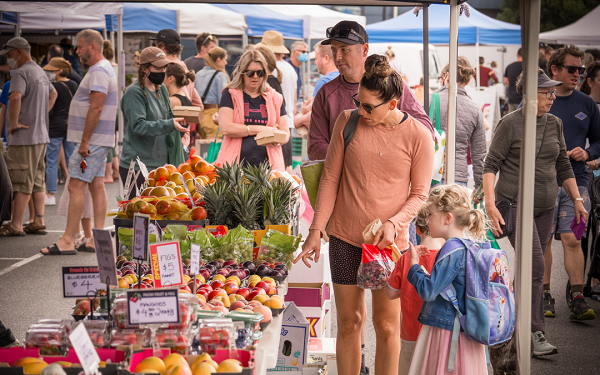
[311,174]
[178,232]
[207,242]
[236,244]
[375,268]
[279,246]
[369,237]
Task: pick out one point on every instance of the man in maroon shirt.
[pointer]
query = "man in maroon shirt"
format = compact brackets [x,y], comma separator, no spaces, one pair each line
[349,44]
[485,74]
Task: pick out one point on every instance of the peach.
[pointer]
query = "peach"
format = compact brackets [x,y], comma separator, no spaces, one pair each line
[265,311]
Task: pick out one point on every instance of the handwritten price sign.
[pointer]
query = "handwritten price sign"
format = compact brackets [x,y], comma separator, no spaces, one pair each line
[153,307]
[79,281]
[141,226]
[166,264]
[88,357]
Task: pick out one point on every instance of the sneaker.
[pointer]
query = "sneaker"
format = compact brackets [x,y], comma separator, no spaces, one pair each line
[549,305]
[50,201]
[541,346]
[580,310]
[12,345]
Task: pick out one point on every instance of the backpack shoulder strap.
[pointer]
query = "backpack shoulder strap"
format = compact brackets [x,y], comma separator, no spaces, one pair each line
[350,128]
[209,84]
[451,246]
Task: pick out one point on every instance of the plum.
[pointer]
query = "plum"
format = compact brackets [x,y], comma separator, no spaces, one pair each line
[263,270]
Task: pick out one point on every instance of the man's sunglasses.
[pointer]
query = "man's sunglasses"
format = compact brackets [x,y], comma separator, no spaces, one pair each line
[368,108]
[548,93]
[572,69]
[251,73]
[210,37]
[344,33]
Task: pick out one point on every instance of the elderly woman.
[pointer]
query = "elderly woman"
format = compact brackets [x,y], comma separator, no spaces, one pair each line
[384,172]
[551,162]
[249,106]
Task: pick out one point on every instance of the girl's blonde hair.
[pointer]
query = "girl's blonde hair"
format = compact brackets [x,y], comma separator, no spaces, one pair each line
[213,55]
[455,199]
[250,56]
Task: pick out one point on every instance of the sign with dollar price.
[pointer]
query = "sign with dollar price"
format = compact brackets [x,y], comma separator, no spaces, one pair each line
[129,180]
[105,253]
[79,281]
[195,259]
[143,168]
[153,306]
[141,240]
[165,258]
[85,350]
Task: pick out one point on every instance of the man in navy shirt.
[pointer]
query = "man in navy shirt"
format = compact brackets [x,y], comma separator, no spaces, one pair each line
[581,123]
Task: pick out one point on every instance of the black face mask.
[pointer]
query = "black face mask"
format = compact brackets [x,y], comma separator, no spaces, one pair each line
[156,77]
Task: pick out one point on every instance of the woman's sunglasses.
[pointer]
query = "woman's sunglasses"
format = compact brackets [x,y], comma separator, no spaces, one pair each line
[368,108]
[251,73]
[572,69]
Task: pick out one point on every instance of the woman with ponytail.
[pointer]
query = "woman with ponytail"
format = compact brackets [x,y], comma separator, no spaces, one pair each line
[384,172]
[210,82]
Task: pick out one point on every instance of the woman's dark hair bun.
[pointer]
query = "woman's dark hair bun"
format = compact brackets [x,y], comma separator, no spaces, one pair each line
[379,66]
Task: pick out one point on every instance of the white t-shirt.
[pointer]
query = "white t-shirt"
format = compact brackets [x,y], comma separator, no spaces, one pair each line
[100,77]
[289,85]
[395,64]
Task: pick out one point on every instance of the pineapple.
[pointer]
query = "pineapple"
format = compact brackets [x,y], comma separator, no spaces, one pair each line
[244,199]
[230,173]
[259,175]
[278,202]
[294,361]
[217,205]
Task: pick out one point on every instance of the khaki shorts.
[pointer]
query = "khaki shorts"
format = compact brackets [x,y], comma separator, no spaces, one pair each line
[27,168]
[208,129]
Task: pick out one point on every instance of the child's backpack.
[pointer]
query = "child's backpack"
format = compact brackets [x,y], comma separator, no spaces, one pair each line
[490,303]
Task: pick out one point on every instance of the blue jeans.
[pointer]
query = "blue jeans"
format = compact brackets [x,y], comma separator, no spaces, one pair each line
[52,153]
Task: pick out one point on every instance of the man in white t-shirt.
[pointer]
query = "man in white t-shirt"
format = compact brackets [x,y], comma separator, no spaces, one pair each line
[92,128]
[274,41]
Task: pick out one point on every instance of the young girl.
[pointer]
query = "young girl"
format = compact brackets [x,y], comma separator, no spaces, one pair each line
[450,216]
[175,78]
[410,302]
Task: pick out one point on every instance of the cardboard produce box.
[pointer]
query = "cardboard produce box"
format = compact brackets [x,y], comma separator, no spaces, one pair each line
[319,349]
[317,273]
[270,136]
[314,301]
[293,343]
[190,114]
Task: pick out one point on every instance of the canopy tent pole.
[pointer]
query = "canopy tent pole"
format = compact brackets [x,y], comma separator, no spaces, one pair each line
[425,57]
[478,78]
[530,23]
[104,34]
[121,90]
[306,80]
[18,25]
[452,92]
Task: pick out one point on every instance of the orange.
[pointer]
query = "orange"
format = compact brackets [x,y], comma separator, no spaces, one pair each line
[194,159]
[151,182]
[184,168]
[171,168]
[188,176]
[151,174]
[204,178]
[159,192]
[161,173]
[151,363]
[230,365]
[176,178]
[161,183]
[146,192]
[181,195]
[174,359]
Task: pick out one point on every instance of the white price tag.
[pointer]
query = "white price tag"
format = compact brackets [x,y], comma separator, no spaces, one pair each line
[166,264]
[128,180]
[143,168]
[153,307]
[79,281]
[84,348]
[105,253]
[141,237]
[195,259]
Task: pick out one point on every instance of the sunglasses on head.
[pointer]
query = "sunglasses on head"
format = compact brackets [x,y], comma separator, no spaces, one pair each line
[251,73]
[344,33]
[368,108]
[210,37]
[572,69]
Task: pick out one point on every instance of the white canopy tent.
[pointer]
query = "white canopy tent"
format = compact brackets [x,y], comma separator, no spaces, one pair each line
[584,31]
[46,21]
[196,18]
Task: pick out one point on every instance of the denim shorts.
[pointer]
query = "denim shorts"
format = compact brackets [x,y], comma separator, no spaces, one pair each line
[565,209]
[96,163]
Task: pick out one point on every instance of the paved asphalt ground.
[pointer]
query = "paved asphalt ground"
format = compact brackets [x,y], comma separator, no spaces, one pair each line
[31,289]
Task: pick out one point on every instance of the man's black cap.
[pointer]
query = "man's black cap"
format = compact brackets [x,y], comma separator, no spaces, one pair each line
[167,36]
[349,32]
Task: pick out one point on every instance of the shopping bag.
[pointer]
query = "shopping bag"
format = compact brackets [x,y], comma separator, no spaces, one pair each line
[213,149]
[375,268]
[311,174]
[369,237]
[440,140]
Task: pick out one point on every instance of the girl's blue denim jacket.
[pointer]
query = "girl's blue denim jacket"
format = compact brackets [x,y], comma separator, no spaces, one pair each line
[436,311]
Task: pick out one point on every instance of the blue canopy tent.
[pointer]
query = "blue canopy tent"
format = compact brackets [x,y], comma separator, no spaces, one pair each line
[475,29]
[142,17]
[261,19]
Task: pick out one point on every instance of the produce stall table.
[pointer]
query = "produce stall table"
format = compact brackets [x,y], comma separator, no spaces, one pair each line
[267,349]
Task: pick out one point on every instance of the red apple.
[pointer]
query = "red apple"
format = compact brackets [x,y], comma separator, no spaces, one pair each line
[223,271]
[244,292]
[186,288]
[206,287]
[263,285]
[256,292]
[231,288]
[216,284]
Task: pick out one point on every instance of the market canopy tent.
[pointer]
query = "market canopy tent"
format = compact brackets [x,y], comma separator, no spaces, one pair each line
[196,18]
[478,27]
[584,31]
[316,18]
[261,19]
[140,17]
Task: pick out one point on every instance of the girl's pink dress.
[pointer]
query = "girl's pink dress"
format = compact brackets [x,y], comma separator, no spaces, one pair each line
[432,349]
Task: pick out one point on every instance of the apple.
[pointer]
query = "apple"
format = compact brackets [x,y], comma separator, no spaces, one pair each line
[256,292]
[216,292]
[231,288]
[206,273]
[244,292]
[202,292]
[263,285]
[223,271]
[216,284]
[186,289]
[206,287]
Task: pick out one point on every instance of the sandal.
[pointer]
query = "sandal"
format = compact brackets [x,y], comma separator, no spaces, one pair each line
[54,250]
[8,231]
[85,248]
[32,228]
[80,239]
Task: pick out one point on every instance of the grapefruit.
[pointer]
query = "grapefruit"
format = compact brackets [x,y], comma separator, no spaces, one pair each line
[230,365]
[151,363]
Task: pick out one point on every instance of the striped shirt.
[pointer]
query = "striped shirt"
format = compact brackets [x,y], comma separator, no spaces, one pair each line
[101,78]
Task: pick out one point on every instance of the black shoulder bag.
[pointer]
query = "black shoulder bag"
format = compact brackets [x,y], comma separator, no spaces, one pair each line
[506,206]
[208,87]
